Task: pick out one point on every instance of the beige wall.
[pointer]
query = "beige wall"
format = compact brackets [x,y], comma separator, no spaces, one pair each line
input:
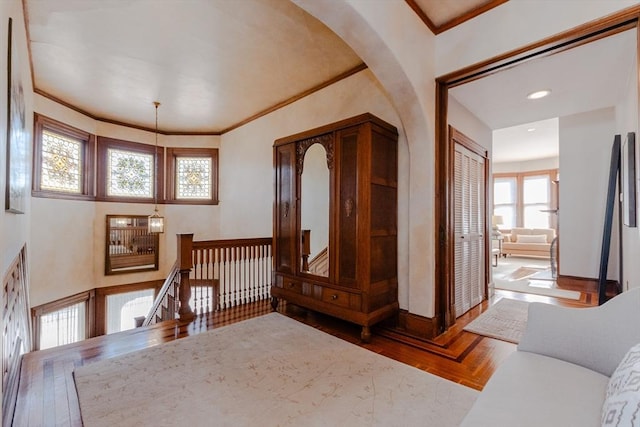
[68,249]
[246,158]
[14,228]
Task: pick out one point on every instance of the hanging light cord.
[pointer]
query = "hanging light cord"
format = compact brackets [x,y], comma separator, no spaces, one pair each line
[155,186]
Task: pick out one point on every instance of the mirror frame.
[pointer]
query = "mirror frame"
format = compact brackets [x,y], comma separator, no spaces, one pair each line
[327,141]
[128,257]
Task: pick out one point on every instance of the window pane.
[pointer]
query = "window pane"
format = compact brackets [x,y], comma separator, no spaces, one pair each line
[508,214]
[61,163]
[534,218]
[63,326]
[193,180]
[129,174]
[122,309]
[536,190]
[504,191]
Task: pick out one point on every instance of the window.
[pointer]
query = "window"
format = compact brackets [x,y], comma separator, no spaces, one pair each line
[63,160]
[123,308]
[504,200]
[126,171]
[524,199]
[193,175]
[64,321]
[535,197]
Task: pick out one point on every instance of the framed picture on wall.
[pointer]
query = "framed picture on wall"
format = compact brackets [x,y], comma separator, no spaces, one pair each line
[17,134]
[628,164]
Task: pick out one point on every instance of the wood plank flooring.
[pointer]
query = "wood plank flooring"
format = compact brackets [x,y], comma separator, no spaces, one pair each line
[47,395]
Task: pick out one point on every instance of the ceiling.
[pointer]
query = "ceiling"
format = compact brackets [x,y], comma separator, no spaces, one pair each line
[585,78]
[212,64]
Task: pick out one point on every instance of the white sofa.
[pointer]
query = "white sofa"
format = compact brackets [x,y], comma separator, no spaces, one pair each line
[560,374]
[528,242]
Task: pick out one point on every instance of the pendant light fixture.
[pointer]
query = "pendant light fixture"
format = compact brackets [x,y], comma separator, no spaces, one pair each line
[156,222]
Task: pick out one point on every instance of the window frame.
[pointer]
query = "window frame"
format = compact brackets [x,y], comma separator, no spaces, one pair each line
[520,205]
[173,154]
[104,144]
[87,179]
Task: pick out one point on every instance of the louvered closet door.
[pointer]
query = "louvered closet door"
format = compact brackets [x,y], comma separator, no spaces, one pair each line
[469,229]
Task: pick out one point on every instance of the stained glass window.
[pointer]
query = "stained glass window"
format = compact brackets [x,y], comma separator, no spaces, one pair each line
[193,178]
[61,163]
[129,174]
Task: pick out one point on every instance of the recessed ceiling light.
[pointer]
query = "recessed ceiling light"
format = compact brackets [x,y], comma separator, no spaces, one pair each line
[539,94]
[531,129]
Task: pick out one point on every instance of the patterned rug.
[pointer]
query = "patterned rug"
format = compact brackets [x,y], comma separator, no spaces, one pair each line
[504,320]
[266,371]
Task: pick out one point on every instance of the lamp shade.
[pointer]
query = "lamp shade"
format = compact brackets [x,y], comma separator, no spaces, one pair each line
[156,223]
[497,220]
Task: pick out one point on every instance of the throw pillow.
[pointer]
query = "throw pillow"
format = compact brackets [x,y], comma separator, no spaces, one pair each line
[532,238]
[622,402]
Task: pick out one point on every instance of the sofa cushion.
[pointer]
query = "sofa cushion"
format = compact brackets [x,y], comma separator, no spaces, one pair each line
[526,247]
[533,390]
[531,238]
[622,403]
[595,337]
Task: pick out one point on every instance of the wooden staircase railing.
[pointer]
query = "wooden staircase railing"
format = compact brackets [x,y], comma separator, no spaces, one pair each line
[213,275]
[241,267]
[164,306]
[16,332]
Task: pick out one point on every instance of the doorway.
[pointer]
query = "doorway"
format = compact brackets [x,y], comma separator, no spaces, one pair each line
[562,43]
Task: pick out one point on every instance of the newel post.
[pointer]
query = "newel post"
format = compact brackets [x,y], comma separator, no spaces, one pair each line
[185,247]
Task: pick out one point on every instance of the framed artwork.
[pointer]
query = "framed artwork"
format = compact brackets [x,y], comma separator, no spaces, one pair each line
[17,134]
[628,164]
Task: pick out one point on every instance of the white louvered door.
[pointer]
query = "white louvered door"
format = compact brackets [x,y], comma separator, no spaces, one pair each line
[469,229]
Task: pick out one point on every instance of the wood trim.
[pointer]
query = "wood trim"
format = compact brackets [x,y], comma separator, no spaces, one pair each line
[104,143]
[454,22]
[41,123]
[360,67]
[231,243]
[580,35]
[25,14]
[417,326]
[172,154]
[87,297]
[422,15]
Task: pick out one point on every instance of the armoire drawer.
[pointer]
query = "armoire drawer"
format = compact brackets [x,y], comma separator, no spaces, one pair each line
[292,285]
[343,299]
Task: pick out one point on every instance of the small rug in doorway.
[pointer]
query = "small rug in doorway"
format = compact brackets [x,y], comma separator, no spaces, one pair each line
[504,320]
[538,287]
[523,272]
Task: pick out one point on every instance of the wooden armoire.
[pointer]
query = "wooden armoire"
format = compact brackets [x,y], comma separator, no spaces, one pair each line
[335,220]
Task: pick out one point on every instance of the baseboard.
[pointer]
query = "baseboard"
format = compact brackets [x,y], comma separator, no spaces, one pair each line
[414,325]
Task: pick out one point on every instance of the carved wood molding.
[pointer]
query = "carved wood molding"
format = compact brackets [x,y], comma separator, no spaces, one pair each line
[302,146]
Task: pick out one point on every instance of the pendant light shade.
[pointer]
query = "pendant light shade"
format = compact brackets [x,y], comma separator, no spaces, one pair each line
[155,221]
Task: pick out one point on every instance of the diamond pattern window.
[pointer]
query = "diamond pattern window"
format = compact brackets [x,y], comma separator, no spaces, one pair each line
[193,175]
[63,160]
[193,178]
[61,163]
[129,174]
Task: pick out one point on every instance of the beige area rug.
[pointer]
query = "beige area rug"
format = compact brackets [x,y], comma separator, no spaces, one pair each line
[504,320]
[266,371]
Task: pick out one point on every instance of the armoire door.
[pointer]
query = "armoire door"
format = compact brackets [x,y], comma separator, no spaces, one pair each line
[470,240]
[284,215]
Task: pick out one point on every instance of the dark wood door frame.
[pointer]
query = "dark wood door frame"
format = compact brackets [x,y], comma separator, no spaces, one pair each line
[583,34]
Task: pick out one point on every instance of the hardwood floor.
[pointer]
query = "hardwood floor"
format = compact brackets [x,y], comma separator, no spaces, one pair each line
[47,395]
